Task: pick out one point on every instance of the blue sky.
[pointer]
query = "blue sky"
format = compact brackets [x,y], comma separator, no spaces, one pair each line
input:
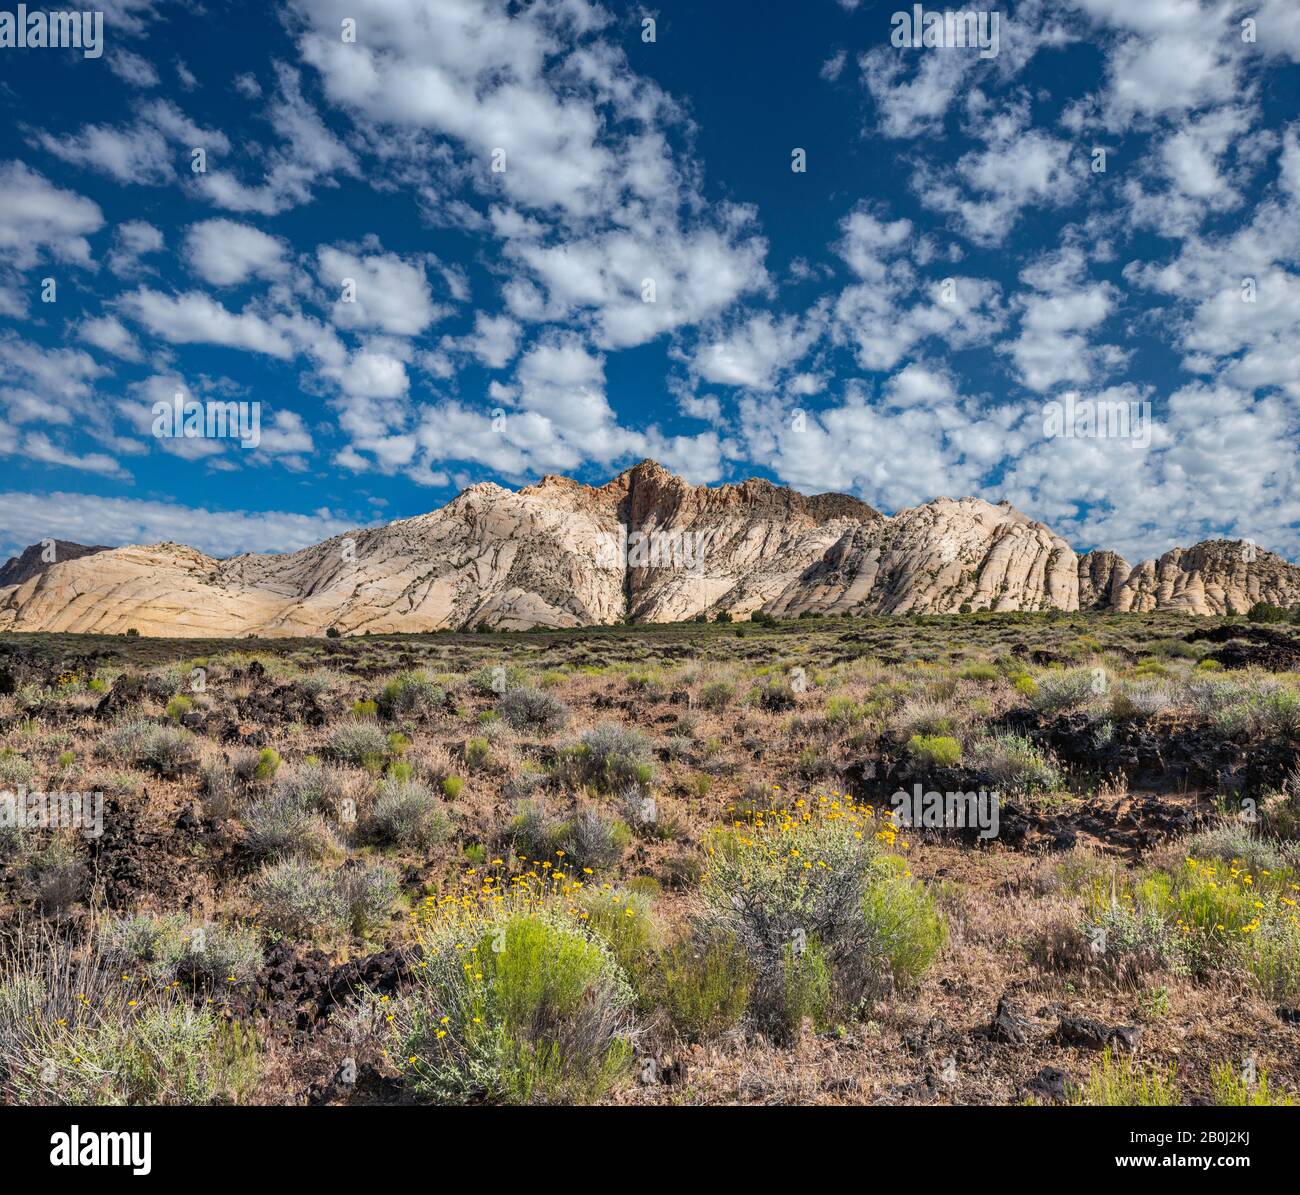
[894,321]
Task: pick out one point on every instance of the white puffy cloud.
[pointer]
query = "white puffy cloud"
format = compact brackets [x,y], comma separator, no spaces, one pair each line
[392,295]
[39,221]
[755,351]
[151,150]
[108,334]
[494,341]
[1059,310]
[132,68]
[196,318]
[227,253]
[589,200]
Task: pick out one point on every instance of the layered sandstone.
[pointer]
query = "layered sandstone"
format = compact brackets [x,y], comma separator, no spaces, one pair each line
[646,545]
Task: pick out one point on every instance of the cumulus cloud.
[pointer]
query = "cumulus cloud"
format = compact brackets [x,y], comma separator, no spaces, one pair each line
[227,253]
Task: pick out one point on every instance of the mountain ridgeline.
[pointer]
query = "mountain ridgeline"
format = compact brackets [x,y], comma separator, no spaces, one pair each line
[647,545]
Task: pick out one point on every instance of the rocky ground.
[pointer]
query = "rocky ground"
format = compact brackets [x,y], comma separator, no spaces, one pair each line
[285,821]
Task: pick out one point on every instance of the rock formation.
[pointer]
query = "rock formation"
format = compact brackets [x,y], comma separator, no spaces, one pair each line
[647,545]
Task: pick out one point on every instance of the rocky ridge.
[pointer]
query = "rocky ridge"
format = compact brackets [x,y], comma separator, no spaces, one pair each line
[647,545]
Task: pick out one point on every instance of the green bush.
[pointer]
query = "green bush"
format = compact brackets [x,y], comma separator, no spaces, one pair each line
[717,696]
[178,707]
[452,787]
[358,742]
[940,751]
[533,709]
[1266,612]
[823,886]
[71,1033]
[409,695]
[527,1009]
[704,987]
[1014,765]
[611,757]
[408,814]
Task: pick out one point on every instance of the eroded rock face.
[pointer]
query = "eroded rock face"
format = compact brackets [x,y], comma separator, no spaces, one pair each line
[1101,577]
[1216,577]
[647,545]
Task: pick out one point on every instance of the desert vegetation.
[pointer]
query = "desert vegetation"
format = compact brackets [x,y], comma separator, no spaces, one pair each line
[656,865]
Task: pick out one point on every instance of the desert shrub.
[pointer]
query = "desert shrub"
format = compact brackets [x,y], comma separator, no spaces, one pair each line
[452,787]
[717,695]
[1237,842]
[143,942]
[358,742]
[178,707]
[1231,1089]
[822,886]
[166,749]
[57,876]
[15,771]
[478,751]
[218,955]
[298,899]
[367,893]
[587,839]
[1126,1083]
[924,716]
[313,786]
[1130,943]
[496,679]
[623,919]
[611,757]
[408,814]
[938,751]
[806,988]
[257,767]
[905,922]
[591,839]
[162,683]
[1281,808]
[282,824]
[1141,699]
[409,695]
[1274,711]
[844,711]
[1067,690]
[533,709]
[979,670]
[524,1008]
[1222,703]
[1014,765]
[71,1033]
[704,987]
